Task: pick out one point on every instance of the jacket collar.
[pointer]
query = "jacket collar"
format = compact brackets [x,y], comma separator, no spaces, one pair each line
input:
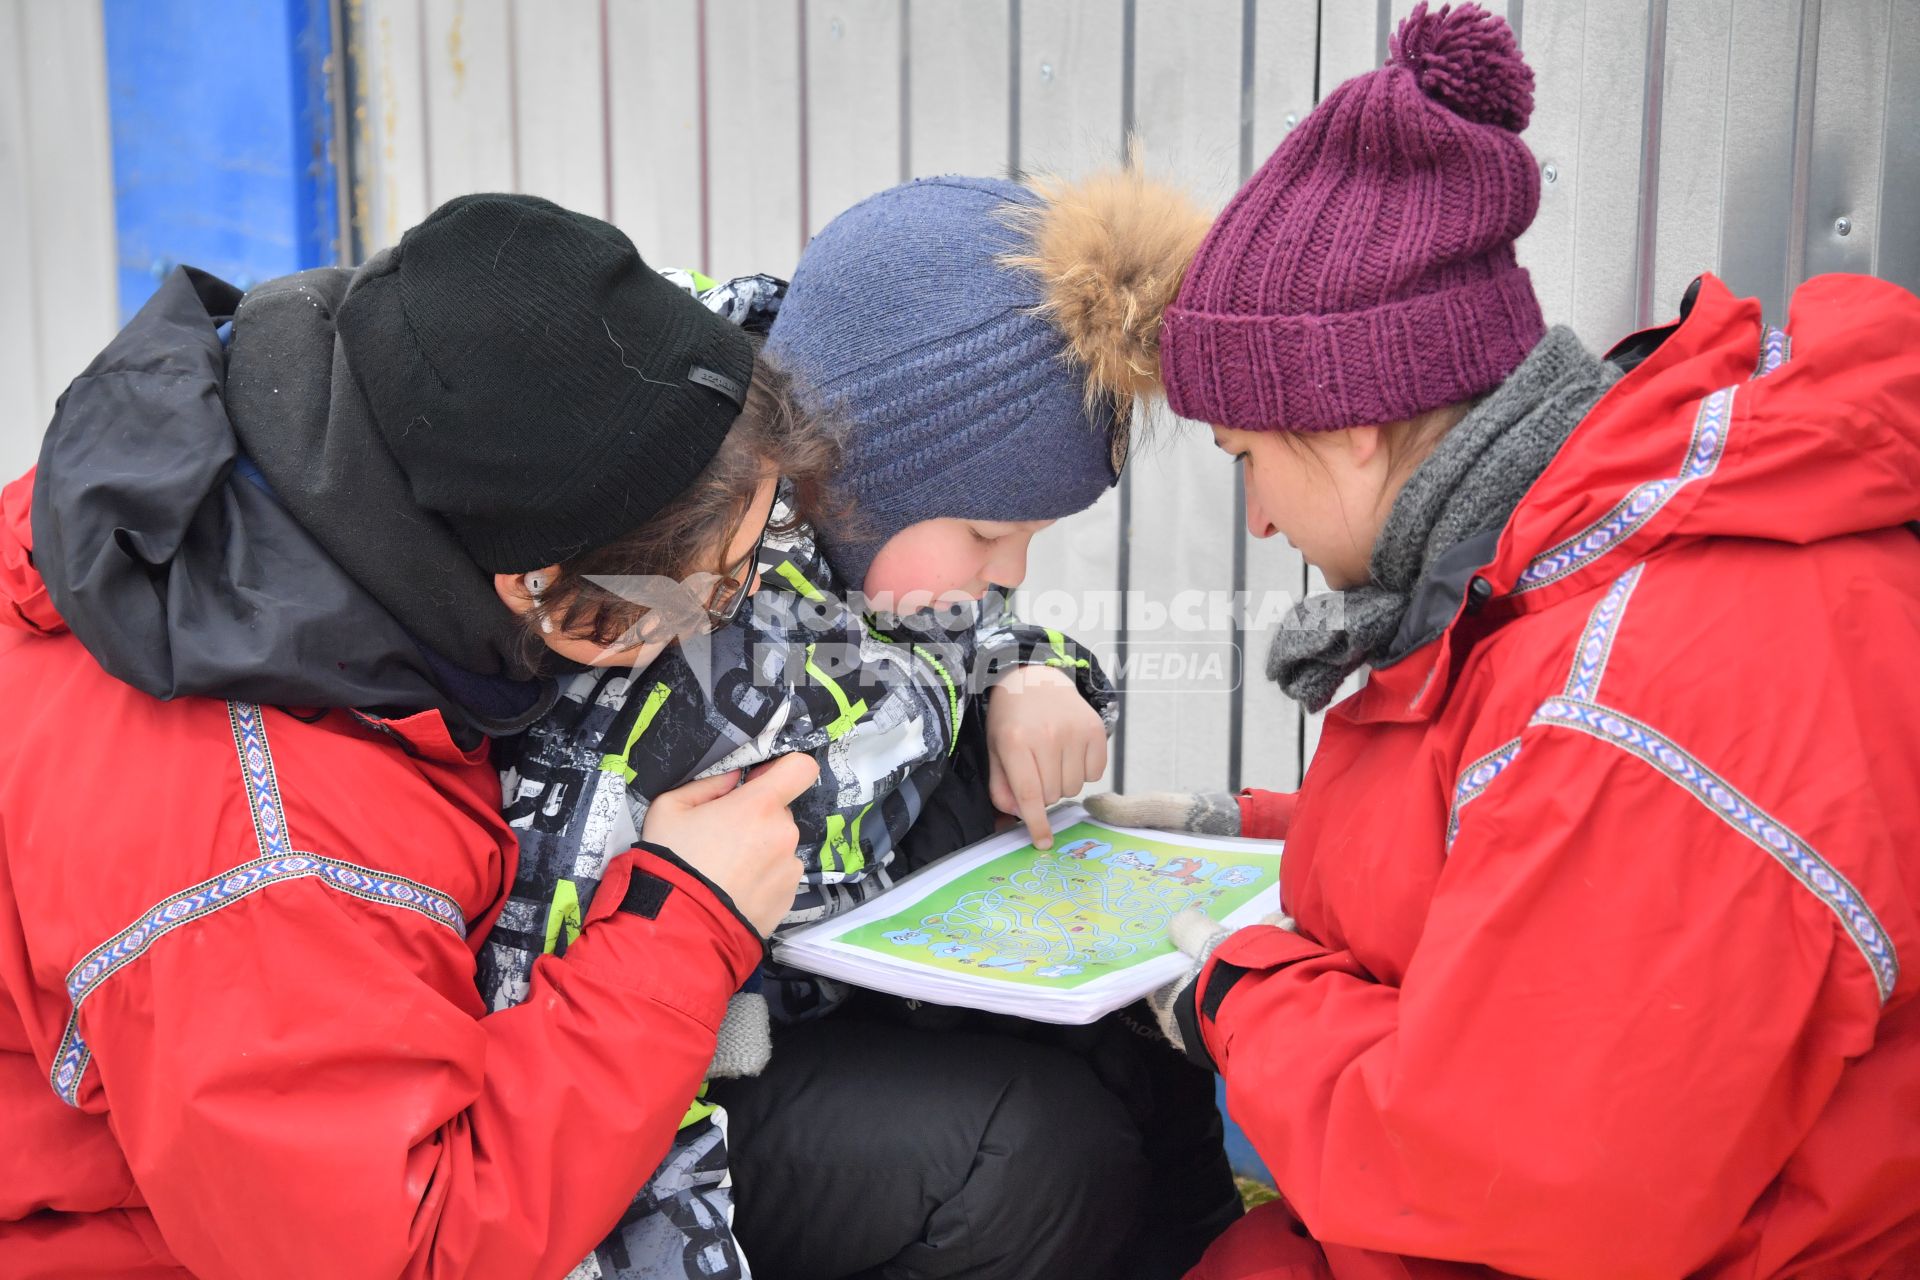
[1567,533]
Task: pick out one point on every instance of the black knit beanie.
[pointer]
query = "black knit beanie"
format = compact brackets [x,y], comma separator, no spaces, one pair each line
[542,388]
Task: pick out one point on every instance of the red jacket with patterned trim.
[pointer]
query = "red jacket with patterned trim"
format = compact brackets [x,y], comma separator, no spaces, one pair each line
[1604,895]
[279,1065]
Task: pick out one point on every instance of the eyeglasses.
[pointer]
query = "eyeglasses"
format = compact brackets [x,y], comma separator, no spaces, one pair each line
[735,585]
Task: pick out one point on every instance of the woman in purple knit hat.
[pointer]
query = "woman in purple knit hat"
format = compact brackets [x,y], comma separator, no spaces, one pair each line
[1596,892]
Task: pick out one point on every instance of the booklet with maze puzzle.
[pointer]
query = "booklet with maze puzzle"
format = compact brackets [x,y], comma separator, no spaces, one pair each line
[1061,935]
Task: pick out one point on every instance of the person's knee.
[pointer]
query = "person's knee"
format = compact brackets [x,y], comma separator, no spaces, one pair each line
[949,1154]
[1059,1124]
[1056,1183]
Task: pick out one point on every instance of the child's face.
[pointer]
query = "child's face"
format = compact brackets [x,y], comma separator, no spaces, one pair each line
[945,561]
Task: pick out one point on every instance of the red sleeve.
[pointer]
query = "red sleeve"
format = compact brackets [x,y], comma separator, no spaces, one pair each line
[302,1088]
[1266,815]
[1622,1017]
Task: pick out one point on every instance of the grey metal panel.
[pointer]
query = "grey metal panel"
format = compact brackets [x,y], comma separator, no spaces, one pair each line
[754,220]
[1353,39]
[562,117]
[384,42]
[1849,118]
[1652,104]
[1584,249]
[1069,65]
[1898,242]
[1693,147]
[854,135]
[958,92]
[1757,208]
[24,407]
[467,65]
[652,131]
[63,79]
[1183,532]
[1070,72]
[1555,39]
[1284,64]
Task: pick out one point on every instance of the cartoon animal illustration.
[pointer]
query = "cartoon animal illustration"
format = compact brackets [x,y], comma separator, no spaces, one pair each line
[1057,971]
[1230,877]
[955,950]
[908,938]
[1186,870]
[1083,849]
[1132,860]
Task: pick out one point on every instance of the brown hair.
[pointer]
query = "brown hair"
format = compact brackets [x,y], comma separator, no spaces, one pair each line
[775,432]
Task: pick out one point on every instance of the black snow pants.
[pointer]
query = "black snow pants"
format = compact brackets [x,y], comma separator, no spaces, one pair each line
[896,1141]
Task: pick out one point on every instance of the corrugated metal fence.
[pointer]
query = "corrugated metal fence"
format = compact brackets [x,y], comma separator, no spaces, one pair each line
[1761,139]
[56,212]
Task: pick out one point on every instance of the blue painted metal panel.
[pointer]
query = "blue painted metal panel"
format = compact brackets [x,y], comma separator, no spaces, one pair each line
[1240,1153]
[223,154]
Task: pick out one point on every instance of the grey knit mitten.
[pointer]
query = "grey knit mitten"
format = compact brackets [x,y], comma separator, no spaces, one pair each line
[1208,813]
[745,1045]
[1196,934]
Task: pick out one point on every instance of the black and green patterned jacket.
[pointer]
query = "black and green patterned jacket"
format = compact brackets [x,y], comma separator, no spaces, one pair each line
[801,670]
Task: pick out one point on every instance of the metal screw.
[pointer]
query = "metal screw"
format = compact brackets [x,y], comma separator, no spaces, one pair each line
[834,28]
[1293,118]
[1549,175]
[1046,73]
[1843,226]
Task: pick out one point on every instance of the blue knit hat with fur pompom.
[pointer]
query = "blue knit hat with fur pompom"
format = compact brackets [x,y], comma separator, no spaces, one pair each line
[972,335]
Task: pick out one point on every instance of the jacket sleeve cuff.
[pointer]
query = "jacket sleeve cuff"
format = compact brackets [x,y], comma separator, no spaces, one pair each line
[1186,1016]
[653,883]
[1254,951]
[1266,815]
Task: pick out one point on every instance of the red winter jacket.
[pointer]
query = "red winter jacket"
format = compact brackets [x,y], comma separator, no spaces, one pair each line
[1604,895]
[239,1033]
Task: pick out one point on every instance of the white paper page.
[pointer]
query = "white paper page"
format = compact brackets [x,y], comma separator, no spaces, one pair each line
[1063,935]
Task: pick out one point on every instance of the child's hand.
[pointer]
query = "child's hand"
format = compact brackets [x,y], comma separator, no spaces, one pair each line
[1044,743]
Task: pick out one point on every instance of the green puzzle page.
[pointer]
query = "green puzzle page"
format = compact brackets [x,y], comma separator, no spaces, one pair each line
[1096,904]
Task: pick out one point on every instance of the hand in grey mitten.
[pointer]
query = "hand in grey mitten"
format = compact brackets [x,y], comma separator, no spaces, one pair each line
[746,1038]
[1196,934]
[1210,813]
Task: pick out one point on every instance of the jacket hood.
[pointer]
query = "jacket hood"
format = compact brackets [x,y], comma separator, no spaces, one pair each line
[1724,427]
[157,540]
[1733,428]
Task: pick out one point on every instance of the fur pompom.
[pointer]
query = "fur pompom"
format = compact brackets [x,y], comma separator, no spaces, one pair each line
[1110,251]
[1466,60]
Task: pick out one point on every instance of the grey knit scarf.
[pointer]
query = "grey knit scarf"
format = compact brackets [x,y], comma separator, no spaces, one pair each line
[1469,485]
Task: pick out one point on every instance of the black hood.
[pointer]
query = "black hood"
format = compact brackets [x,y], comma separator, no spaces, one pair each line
[187,570]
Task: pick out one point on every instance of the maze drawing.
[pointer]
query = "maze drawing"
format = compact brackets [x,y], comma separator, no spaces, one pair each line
[1064,916]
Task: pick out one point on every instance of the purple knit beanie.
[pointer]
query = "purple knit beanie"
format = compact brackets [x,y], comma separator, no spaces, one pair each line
[1366,273]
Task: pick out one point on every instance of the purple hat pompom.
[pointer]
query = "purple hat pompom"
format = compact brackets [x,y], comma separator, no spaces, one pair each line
[1466,60]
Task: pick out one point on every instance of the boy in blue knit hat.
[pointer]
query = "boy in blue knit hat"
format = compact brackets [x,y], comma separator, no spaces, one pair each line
[961,329]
